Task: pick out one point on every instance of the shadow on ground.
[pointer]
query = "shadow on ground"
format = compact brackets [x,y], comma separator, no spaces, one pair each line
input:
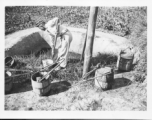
[58,87]
[118,83]
[21,87]
[121,82]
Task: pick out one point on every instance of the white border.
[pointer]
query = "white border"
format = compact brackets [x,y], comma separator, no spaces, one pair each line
[70,114]
[77,2]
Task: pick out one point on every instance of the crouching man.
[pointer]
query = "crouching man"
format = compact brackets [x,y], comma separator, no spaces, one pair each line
[59,38]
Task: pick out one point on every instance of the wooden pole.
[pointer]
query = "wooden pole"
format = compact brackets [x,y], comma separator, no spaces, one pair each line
[84,45]
[90,39]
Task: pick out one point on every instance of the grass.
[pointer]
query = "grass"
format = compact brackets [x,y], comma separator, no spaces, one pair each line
[74,67]
[141,42]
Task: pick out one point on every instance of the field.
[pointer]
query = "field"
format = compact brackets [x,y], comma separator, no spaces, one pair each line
[129,22]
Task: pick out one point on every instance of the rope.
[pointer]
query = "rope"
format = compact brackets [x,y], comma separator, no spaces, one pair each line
[8,69]
[30,71]
[87,74]
[17,75]
[89,79]
[99,83]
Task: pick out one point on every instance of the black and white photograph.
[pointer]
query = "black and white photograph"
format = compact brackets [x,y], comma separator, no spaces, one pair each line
[75,57]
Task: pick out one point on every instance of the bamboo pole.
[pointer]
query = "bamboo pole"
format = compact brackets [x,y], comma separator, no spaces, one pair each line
[90,39]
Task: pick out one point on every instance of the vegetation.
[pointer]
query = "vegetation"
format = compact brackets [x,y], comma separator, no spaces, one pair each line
[119,20]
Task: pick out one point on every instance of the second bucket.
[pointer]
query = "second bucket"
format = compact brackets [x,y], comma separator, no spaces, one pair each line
[104,78]
[43,87]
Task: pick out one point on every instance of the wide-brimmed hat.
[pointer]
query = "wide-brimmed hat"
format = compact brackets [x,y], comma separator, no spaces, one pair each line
[53,22]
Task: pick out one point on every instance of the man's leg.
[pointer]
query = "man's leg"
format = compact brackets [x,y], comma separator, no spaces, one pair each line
[63,51]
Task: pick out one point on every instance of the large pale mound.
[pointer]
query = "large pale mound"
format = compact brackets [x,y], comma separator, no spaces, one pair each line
[29,41]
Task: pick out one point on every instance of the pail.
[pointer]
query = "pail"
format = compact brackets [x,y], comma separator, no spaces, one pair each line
[124,62]
[9,61]
[8,82]
[104,78]
[43,87]
[47,62]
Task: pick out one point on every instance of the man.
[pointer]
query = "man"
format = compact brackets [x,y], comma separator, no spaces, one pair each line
[60,40]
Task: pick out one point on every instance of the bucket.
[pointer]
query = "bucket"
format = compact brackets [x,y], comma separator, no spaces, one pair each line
[9,61]
[104,78]
[47,62]
[8,82]
[43,87]
[124,62]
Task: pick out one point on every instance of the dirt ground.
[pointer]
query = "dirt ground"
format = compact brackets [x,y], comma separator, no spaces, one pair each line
[125,95]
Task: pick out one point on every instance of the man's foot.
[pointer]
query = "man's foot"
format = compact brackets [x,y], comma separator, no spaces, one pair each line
[60,68]
[63,68]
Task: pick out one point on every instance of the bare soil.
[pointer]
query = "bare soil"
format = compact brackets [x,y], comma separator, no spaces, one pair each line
[125,95]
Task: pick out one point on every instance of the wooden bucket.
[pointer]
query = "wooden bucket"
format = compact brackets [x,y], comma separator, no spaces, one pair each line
[40,88]
[8,82]
[124,62]
[9,61]
[104,78]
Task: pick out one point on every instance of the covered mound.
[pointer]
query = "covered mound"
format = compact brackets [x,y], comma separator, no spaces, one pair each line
[31,40]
